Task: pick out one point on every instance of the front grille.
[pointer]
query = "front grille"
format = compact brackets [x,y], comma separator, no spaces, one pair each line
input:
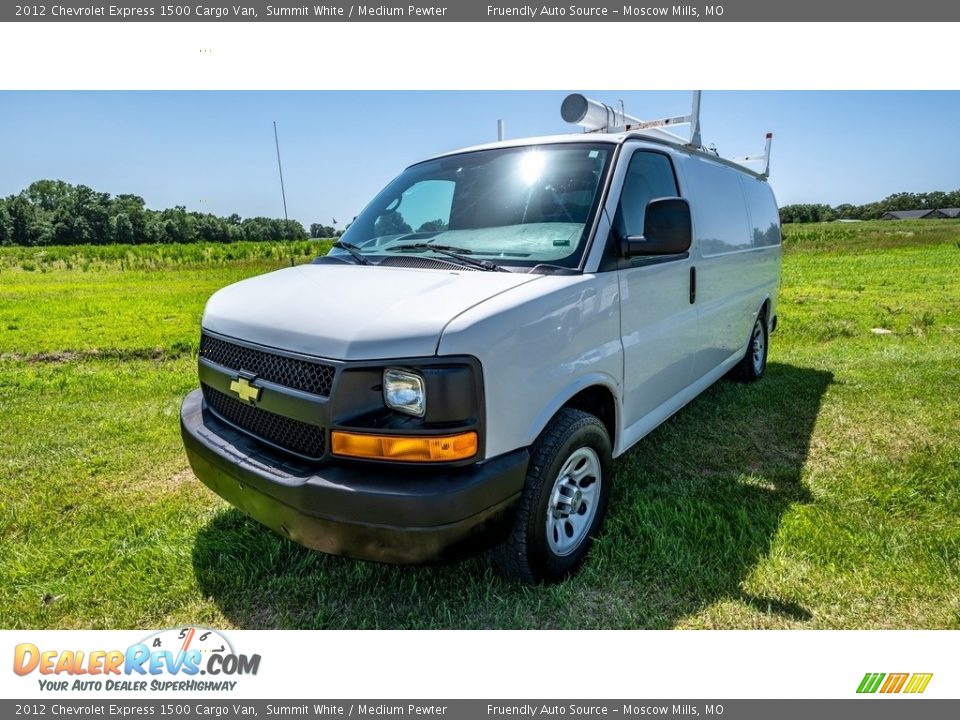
[298,437]
[311,377]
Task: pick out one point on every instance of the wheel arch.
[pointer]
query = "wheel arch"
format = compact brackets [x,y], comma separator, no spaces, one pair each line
[595,394]
[599,401]
[766,309]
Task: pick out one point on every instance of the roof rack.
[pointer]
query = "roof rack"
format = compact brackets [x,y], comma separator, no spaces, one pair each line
[594,116]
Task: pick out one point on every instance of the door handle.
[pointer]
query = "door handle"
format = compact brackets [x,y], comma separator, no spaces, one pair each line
[693,284]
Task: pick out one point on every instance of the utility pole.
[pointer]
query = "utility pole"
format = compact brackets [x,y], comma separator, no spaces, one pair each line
[283,193]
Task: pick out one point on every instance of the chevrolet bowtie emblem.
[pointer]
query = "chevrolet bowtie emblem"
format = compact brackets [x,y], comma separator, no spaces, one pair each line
[247,392]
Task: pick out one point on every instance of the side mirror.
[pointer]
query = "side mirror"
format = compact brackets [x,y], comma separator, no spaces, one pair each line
[667,229]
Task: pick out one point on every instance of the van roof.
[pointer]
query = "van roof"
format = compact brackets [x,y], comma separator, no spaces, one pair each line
[654,136]
[543,140]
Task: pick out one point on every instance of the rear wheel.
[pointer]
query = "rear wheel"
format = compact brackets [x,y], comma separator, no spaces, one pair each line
[563,502]
[754,362]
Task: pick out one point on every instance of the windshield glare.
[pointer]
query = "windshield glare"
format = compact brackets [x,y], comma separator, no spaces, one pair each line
[513,206]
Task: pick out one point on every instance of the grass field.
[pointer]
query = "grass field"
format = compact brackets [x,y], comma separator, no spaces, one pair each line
[825,496]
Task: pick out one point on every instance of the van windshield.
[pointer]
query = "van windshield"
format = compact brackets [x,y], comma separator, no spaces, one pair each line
[510,206]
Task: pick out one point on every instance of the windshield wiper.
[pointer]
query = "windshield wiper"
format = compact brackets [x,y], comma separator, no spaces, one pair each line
[431,246]
[457,253]
[353,250]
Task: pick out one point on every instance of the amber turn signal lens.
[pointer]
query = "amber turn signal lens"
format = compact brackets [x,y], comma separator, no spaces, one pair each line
[405,448]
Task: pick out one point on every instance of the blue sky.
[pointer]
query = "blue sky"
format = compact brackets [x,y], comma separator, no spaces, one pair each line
[214,151]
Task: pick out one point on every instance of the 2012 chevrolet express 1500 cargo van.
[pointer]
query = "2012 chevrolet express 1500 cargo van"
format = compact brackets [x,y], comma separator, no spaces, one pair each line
[493,329]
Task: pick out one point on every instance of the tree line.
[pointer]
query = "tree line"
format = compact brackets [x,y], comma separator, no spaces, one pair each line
[53,212]
[871,211]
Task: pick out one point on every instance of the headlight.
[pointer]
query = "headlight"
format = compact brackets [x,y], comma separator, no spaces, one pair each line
[404,391]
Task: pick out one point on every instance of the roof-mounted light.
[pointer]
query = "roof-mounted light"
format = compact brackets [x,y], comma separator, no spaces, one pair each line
[592,115]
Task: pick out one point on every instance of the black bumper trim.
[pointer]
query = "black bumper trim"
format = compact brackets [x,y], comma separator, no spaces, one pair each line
[390,514]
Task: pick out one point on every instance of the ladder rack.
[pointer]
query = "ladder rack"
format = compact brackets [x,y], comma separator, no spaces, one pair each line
[594,116]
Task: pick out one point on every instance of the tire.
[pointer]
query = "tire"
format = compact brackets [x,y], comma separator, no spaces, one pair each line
[754,362]
[563,502]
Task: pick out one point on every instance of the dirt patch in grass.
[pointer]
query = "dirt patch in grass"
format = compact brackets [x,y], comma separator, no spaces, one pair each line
[126,354]
[159,487]
[176,481]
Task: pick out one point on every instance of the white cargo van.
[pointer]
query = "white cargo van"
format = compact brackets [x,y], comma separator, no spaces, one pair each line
[495,328]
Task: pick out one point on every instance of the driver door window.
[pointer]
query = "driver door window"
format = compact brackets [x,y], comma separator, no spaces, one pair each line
[649,176]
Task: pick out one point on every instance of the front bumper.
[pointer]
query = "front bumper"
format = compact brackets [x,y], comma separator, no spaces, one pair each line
[371,512]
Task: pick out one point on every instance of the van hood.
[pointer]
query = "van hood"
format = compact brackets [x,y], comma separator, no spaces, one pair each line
[352,312]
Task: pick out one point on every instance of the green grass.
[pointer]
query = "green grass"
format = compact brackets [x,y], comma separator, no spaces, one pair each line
[155,257]
[825,496]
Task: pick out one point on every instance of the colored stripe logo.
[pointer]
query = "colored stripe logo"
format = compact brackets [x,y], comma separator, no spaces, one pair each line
[913,683]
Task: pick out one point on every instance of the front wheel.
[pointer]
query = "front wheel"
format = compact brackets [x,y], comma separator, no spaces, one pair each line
[563,502]
[754,362]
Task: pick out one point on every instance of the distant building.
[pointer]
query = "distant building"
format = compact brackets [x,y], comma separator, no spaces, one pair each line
[907,214]
[946,213]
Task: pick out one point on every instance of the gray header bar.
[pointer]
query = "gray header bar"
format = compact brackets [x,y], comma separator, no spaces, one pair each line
[486,11]
[226,708]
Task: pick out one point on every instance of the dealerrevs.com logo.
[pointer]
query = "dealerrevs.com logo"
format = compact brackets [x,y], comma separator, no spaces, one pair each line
[168,660]
[890,683]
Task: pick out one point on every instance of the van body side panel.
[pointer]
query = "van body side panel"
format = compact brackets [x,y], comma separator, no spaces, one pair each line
[538,349]
[732,288]
[766,235]
[737,269]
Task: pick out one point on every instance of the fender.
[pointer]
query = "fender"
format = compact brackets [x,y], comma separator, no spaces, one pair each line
[579,384]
